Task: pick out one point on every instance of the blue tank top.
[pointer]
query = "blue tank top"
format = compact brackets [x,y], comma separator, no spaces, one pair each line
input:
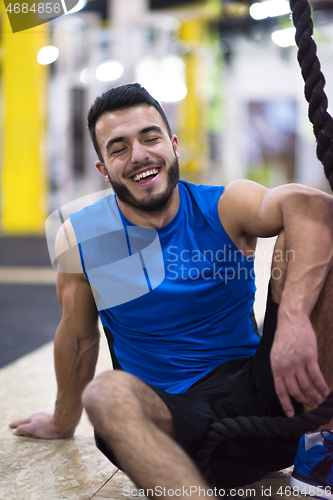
[175,302]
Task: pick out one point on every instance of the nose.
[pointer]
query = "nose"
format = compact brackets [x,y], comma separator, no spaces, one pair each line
[139,153]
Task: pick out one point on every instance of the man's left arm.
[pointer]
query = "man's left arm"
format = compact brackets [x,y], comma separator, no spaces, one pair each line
[308,226]
[306,215]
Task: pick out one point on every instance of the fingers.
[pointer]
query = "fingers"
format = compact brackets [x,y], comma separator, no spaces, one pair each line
[22,427]
[312,385]
[284,398]
[23,430]
[40,425]
[16,423]
[318,379]
[305,386]
[33,425]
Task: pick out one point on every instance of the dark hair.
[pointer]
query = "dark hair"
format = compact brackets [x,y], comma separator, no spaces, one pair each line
[122,97]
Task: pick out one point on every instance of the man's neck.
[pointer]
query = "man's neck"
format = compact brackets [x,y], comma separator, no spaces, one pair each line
[156,219]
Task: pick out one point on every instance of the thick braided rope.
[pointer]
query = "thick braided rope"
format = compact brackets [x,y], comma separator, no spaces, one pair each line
[253,426]
[314,84]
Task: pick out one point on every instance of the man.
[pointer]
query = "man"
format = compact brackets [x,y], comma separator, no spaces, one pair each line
[187,345]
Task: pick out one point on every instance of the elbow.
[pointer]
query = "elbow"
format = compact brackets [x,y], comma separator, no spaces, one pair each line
[310,203]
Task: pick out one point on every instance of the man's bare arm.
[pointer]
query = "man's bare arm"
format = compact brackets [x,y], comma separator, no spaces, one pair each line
[75,352]
[308,223]
[306,215]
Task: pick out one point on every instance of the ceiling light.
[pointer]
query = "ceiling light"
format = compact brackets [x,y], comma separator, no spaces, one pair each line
[109,71]
[165,91]
[164,79]
[87,75]
[48,54]
[284,38]
[270,8]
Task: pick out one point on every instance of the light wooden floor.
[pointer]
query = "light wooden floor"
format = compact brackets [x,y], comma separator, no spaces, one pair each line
[36,469]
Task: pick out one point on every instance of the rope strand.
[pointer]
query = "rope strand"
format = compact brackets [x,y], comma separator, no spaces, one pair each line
[282,427]
[314,84]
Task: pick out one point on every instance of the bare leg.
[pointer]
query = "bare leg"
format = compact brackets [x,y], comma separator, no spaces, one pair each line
[321,316]
[139,428]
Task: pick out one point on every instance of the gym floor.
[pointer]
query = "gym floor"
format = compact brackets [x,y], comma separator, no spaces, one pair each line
[36,469]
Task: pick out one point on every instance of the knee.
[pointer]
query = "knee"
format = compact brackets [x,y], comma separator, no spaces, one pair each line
[112,394]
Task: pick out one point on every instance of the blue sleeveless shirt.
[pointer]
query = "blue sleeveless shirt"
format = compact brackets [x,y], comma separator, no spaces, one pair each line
[175,302]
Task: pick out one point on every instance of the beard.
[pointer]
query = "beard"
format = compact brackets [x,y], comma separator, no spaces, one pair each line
[151,203]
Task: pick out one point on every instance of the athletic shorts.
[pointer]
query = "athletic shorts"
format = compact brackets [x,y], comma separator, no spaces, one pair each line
[240,387]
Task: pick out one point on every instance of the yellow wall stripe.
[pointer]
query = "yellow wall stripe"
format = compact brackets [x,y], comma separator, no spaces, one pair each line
[23,173]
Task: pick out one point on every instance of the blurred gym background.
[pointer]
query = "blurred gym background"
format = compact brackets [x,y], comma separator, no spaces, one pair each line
[226,73]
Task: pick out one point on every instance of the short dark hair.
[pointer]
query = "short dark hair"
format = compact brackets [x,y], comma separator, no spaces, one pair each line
[117,98]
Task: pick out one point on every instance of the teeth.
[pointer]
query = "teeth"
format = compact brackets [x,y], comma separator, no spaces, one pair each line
[153,171]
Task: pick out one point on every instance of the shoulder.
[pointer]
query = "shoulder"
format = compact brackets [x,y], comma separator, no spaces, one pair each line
[245,192]
[247,208]
[242,191]
[67,251]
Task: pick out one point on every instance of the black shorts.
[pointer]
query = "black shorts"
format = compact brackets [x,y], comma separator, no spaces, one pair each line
[241,387]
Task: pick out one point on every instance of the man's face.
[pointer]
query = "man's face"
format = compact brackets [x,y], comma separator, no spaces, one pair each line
[140,159]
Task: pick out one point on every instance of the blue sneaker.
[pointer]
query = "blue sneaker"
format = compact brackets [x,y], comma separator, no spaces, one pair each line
[313,473]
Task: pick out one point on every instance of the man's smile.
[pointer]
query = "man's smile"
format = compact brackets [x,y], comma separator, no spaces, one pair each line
[145,176]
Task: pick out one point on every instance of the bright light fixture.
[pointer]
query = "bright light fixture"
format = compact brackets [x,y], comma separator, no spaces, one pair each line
[284,38]
[164,79]
[48,54]
[172,65]
[165,91]
[87,75]
[269,8]
[109,71]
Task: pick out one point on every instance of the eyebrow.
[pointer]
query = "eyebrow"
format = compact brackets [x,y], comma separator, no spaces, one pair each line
[151,128]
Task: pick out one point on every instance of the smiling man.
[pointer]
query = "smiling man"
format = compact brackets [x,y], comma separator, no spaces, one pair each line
[185,349]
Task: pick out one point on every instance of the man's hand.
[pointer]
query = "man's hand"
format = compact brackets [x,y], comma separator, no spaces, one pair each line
[40,425]
[294,363]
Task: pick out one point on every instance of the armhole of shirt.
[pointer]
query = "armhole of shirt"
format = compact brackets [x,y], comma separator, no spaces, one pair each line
[82,262]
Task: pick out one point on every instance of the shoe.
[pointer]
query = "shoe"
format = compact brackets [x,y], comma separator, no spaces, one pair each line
[313,473]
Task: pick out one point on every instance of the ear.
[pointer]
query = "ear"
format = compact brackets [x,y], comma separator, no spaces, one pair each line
[102,170]
[175,143]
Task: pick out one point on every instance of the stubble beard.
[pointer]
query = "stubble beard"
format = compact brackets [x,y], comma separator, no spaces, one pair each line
[151,202]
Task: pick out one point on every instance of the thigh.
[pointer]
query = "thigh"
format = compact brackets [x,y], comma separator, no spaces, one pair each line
[116,394]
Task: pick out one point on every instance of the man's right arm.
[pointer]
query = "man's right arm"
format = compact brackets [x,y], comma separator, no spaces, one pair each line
[75,353]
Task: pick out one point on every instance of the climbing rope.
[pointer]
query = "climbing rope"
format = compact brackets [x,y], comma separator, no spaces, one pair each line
[314,84]
[282,427]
